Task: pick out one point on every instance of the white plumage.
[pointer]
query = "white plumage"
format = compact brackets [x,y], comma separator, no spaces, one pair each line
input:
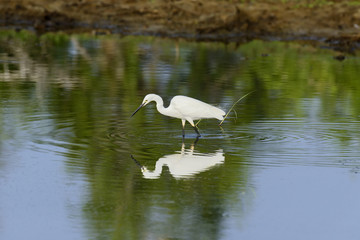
[184,108]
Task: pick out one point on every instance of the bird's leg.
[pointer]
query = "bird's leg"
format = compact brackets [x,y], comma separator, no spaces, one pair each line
[195,142]
[197,131]
[194,126]
[183,128]
[182,147]
[197,122]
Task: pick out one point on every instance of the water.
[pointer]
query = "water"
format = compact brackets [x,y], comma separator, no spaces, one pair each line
[73,165]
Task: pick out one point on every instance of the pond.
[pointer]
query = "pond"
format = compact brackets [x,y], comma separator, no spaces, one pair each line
[73,165]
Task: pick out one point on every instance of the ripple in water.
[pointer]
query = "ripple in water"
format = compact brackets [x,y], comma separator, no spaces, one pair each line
[301,143]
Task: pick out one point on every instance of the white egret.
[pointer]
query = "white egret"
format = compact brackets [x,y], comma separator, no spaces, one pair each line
[184,108]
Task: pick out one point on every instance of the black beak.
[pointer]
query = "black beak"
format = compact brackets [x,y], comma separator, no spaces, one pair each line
[136,162]
[138,109]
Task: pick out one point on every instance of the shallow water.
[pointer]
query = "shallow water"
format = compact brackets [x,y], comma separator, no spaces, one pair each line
[73,165]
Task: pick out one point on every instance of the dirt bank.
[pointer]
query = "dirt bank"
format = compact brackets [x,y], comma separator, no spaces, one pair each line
[336,22]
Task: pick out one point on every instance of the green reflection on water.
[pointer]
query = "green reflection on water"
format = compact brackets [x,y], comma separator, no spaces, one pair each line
[77,93]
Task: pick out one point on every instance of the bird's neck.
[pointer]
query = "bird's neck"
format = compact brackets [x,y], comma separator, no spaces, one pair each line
[160,107]
[156,173]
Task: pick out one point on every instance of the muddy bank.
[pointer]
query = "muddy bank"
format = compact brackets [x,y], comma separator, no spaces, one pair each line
[336,23]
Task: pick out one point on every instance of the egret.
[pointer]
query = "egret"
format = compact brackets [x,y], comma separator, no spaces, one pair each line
[184,108]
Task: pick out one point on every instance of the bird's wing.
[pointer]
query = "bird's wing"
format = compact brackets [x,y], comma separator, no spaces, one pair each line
[195,109]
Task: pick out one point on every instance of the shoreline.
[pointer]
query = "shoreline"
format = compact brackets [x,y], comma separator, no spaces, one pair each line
[336,24]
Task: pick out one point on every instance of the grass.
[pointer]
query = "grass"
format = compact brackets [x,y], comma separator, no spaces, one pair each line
[234,106]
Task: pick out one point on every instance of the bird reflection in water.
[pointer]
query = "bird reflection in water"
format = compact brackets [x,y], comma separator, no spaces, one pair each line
[184,164]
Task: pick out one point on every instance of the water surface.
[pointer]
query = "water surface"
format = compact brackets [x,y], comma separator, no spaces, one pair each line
[73,165]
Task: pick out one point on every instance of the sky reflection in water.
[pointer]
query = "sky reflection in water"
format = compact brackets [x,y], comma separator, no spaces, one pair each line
[285,165]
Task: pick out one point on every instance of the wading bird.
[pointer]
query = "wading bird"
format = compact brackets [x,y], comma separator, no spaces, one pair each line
[184,108]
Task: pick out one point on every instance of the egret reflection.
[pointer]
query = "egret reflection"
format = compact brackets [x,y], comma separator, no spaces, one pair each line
[184,164]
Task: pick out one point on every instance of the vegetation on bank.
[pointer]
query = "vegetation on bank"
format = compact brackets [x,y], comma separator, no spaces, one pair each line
[211,19]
